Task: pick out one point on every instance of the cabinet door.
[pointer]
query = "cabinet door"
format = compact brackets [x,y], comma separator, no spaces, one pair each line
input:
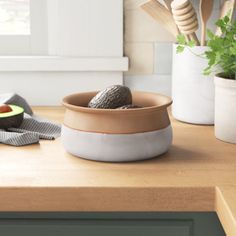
[109,224]
[31,227]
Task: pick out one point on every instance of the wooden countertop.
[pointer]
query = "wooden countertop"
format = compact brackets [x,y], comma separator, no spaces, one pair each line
[197,174]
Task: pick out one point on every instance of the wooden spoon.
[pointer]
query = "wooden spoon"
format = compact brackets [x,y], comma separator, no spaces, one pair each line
[205,9]
[187,22]
[180,12]
[179,4]
[161,14]
[228,6]
[185,18]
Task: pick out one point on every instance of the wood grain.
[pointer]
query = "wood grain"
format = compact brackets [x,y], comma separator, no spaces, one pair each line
[182,11]
[162,15]
[197,174]
[205,9]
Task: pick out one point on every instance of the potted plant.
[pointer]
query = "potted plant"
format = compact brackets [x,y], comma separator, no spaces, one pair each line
[220,55]
[192,91]
[221,58]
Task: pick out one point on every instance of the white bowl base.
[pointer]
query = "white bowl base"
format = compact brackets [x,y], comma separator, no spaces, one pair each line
[116,147]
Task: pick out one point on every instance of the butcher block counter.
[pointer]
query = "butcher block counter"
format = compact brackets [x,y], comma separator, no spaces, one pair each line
[198,174]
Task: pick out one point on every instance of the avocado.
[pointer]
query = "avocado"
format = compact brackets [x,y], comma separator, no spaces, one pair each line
[13,98]
[10,119]
[130,106]
[112,97]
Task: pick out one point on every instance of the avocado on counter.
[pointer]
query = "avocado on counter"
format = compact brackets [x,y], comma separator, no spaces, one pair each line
[112,97]
[10,116]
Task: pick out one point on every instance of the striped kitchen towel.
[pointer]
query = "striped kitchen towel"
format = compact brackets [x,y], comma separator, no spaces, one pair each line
[31,131]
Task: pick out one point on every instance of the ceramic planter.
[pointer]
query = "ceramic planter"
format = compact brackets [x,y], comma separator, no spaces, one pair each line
[117,135]
[192,92]
[225,109]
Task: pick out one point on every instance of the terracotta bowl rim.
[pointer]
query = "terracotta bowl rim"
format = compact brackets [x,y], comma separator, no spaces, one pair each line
[164,105]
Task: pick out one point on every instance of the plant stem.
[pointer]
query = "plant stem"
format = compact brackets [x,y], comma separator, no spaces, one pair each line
[198,55]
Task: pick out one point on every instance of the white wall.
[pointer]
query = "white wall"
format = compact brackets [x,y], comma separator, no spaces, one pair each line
[77,30]
[86,28]
[48,88]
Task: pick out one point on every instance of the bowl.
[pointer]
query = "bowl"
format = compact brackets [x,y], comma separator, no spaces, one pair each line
[117,135]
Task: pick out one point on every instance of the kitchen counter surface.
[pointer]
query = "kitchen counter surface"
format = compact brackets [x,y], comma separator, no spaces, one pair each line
[197,174]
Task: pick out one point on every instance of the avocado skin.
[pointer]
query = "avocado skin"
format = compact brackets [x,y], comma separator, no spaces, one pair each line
[111,98]
[12,121]
[130,106]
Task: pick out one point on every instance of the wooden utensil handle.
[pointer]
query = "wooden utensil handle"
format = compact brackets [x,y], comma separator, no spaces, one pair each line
[193,36]
[203,35]
[168,6]
[161,14]
[187,37]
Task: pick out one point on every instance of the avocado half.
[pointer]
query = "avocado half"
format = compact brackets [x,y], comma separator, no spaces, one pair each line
[12,119]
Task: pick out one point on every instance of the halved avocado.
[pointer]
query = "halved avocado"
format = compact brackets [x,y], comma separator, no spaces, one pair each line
[12,119]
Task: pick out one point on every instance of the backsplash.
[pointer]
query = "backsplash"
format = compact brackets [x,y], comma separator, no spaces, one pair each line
[149,48]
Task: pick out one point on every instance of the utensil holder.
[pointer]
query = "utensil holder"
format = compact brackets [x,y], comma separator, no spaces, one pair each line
[192,92]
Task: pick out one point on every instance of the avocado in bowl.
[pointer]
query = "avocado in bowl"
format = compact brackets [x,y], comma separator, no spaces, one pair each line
[11,116]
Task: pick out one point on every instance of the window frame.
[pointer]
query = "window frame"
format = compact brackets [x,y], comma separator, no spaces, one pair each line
[36,42]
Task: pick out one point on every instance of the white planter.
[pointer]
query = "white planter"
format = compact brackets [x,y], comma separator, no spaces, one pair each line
[225,109]
[192,92]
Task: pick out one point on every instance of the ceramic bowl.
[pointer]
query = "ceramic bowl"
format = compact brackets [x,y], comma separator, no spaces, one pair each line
[117,135]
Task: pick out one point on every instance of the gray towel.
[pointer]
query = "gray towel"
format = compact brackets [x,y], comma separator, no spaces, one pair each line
[15,99]
[31,130]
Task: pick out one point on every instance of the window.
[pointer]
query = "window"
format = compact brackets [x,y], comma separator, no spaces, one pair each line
[23,27]
[14,17]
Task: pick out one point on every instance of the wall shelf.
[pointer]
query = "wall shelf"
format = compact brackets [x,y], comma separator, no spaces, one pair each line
[58,63]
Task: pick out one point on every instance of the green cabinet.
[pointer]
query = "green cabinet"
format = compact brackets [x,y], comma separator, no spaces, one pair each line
[110,224]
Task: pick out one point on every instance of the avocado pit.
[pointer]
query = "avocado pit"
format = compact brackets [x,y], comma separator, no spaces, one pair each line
[5,108]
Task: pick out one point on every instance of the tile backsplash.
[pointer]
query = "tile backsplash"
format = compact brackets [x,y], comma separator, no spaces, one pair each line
[149,47]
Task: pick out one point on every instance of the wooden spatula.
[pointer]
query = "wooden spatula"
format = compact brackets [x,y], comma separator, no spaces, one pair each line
[168,6]
[205,9]
[160,14]
[228,6]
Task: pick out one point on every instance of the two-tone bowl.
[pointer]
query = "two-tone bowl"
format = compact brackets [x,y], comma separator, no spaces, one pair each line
[117,135]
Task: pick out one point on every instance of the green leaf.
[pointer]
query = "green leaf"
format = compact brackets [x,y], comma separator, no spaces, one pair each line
[180,49]
[226,18]
[233,49]
[222,50]
[220,22]
[191,44]
[207,71]
[181,39]
[210,34]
